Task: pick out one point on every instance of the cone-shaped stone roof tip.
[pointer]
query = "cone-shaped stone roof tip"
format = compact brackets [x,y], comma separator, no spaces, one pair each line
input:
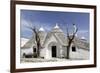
[83,38]
[41,29]
[56,26]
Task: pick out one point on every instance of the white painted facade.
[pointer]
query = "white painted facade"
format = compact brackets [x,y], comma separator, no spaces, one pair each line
[55,45]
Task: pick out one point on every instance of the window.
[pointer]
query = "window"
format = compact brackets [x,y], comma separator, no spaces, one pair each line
[73,48]
[24,55]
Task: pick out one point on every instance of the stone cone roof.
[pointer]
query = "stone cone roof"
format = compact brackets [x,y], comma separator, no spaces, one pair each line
[59,36]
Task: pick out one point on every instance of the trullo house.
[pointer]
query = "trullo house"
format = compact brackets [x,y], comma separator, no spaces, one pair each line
[54,45]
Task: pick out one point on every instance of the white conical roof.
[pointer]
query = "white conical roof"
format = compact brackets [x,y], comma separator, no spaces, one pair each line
[41,29]
[23,41]
[83,38]
[56,26]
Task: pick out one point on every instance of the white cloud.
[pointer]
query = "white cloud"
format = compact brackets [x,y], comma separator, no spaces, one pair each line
[83,31]
[25,24]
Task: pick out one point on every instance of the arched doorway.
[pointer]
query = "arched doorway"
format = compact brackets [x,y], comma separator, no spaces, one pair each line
[54,51]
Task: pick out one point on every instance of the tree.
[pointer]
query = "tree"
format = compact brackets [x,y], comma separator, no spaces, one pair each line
[37,39]
[70,39]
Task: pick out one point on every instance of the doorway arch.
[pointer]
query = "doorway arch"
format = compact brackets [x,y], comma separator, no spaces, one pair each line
[53,49]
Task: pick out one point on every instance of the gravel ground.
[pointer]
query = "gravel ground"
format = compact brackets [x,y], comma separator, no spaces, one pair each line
[34,60]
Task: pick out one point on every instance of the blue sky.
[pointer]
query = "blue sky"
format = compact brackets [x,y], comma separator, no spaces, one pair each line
[48,19]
